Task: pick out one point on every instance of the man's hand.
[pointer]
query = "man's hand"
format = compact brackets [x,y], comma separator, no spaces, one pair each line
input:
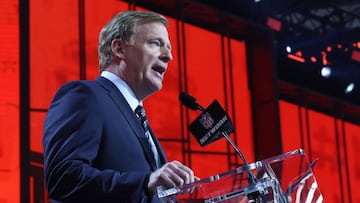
[172,174]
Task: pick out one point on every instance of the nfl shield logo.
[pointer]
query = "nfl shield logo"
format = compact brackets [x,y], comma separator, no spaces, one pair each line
[206,120]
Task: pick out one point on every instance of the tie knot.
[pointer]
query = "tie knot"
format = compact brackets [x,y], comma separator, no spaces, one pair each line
[140,112]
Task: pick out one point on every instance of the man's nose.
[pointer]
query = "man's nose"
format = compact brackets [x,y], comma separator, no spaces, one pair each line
[166,55]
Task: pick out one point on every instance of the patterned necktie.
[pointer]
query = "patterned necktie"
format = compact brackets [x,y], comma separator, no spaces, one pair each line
[140,112]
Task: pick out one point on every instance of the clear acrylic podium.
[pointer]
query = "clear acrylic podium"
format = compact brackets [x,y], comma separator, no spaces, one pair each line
[282,179]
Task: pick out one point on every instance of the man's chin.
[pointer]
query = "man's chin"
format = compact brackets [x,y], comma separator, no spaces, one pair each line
[157,84]
[155,87]
[158,88]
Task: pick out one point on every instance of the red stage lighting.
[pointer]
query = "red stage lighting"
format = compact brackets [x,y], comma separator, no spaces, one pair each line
[274,24]
[355,55]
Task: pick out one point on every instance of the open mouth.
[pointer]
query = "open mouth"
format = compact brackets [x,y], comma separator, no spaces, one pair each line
[159,69]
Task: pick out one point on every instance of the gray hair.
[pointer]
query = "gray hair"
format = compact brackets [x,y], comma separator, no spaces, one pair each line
[122,26]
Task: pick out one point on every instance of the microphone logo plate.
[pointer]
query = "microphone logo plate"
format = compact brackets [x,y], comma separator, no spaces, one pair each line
[206,120]
[208,126]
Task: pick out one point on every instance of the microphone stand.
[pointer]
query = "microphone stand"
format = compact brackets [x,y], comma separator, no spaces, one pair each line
[253,196]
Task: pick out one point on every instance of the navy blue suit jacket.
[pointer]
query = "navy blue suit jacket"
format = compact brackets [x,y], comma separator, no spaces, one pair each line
[95,149]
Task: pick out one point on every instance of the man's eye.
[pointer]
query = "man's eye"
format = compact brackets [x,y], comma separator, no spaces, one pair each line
[156,43]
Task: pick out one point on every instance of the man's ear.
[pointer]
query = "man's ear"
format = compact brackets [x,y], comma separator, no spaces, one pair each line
[117,48]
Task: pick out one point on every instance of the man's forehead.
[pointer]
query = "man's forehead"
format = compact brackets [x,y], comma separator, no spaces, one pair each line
[151,27]
[152,30]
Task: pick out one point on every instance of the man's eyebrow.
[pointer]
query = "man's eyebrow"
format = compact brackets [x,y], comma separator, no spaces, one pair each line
[168,45]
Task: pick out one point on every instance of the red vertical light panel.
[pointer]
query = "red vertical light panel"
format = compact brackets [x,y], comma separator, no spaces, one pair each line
[352,141]
[290,126]
[242,102]
[324,146]
[54,48]
[342,160]
[36,130]
[97,14]
[9,102]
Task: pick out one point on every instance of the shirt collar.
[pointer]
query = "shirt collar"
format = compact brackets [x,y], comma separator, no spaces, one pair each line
[124,88]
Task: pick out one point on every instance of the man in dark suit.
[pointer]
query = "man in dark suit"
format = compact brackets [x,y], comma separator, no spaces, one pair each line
[95,148]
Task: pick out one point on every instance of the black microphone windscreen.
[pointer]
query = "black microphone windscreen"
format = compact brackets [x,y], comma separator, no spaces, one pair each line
[188,101]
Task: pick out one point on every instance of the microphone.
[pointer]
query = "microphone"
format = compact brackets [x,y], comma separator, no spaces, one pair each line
[190,102]
[212,124]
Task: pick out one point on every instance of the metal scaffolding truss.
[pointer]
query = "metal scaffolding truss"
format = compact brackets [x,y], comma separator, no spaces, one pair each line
[300,23]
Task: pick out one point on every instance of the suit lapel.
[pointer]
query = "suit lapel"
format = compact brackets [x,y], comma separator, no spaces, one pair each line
[130,116]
